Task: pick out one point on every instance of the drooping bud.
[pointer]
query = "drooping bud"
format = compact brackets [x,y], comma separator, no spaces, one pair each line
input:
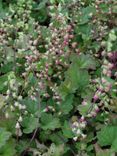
[17,125]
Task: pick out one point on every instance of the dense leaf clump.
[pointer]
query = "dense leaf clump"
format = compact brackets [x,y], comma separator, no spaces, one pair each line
[58,77]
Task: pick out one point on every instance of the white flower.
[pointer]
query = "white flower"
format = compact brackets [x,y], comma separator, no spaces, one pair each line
[84,136]
[78,132]
[75,138]
[7,97]
[76,124]
[20,97]
[20,119]
[12,108]
[18,132]
[23,107]
[16,104]
[74,130]
[14,95]
[20,106]
[82,125]
[8,91]
[12,83]
[17,125]
[7,115]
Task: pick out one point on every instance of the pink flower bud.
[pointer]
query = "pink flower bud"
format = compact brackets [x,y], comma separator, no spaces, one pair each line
[93,114]
[103,80]
[74,44]
[47,65]
[57,62]
[84,103]
[95,97]
[107,89]
[96,109]
[66,37]
[104,71]
[65,43]
[110,54]
[82,119]
[110,65]
[69,27]
[101,89]
[103,53]
[109,74]
[71,36]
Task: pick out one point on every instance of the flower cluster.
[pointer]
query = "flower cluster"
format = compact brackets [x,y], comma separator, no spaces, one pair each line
[58,60]
[78,127]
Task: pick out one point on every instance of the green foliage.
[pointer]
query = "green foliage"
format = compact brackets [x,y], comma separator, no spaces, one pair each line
[32,106]
[84,109]
[4,136]
[76,78]
[8,149]
[29,124]
[108,136]
[67,130]
[84,61]
[86,14]
[3,79]
[67,105]
[58,78]
[2,101]
[49,122]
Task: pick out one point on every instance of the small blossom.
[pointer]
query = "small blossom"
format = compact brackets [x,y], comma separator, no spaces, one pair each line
[78,132]
[20,119]
[75,138]
[17,125]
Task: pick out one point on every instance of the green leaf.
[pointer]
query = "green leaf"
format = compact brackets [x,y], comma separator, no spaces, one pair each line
[79,79]
[86,14]
[2,11]
[42,4]
[31,105]
[83,109]
[84,61]
[107,135]
[4,136]
[8,124]
[7,67]
[75,79]
[64,89]
[84,30]
[32,79]
[57,138]
[9,54]
[52,1]
[22,145]
[114,145]
[99,151]
[3,79]
[104,153]
[66,129]
[29,123]
[40,14]
[66,106]
[56,150]
[109,46]
[43,135]
[2,101]
[112,36]
[87,94]
[104,7]
[8,149]
[49,122]
[114,7]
